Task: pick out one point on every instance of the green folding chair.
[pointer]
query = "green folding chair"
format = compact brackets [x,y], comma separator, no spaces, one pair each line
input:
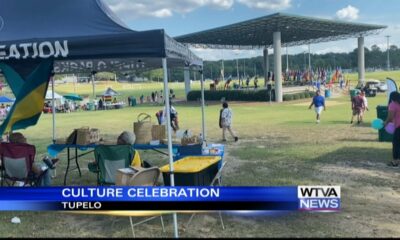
[109,159]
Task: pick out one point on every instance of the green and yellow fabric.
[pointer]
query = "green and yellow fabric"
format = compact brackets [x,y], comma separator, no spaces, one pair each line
[30,95]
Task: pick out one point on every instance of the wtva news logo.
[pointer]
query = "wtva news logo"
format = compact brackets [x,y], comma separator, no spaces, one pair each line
[319,198]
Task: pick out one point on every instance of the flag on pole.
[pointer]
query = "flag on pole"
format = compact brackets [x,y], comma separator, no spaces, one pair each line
[391,87]
[30,95]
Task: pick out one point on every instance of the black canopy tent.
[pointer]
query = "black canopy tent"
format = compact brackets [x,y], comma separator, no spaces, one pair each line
[84,36]
[81,36]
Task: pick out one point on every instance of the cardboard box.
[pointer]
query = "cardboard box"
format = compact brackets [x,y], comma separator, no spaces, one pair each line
[124,175]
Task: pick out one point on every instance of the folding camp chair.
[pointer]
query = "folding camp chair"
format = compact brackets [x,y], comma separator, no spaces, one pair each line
[145,177]
[217,181]
[109,159]
[16,164]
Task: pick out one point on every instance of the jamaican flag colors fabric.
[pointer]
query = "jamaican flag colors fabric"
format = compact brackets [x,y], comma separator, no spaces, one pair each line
[30,94]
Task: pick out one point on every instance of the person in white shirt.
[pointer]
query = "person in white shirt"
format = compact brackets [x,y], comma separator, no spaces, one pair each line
[226,121]
[362,94]
[173,115]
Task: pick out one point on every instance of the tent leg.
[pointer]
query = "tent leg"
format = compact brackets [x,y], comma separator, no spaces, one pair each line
[133,231]
[168,117]
[53,110]
[203,126]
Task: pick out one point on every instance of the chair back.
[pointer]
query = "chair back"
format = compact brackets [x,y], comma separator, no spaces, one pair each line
[17,160]
[110,159]
[145,177]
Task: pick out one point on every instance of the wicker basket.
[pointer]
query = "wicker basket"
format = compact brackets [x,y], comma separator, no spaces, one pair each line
[94,135]
[142,129]
[83,136]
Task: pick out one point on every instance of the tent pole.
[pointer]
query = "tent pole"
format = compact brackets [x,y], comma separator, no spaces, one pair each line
[203,126]
[93,86]
[168,117]
[53,110]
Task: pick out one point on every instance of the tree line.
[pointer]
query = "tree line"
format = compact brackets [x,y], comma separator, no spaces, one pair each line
[375,58]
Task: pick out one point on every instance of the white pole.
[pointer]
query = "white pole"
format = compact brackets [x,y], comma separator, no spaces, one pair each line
[168,117]
[388,56]
[287,60]
[309,59]
[361,60]
[223,68]
[203,125]
[75,80]
[93,86]
[237,71]
[53,110]
[244,67]
[266,66]
[186,77]
[278,67]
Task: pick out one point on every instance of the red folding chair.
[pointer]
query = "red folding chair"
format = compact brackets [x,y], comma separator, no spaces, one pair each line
[16,164]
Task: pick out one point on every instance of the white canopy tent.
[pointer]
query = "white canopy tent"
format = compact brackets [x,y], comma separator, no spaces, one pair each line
[49,95]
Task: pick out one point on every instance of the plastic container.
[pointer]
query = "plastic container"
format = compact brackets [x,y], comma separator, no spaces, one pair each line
[382,112]
[192,171]
[90,106]
[327,93]
[133,101]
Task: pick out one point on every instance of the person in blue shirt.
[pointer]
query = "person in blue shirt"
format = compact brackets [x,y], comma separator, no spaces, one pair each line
[319,103]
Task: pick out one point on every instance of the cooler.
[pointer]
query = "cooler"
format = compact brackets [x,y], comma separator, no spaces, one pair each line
[382,112]
[192,171]
[327,93]
[133,101]
[91,106]
[196,150]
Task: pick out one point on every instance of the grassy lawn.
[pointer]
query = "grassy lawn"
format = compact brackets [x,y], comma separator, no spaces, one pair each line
[280,144]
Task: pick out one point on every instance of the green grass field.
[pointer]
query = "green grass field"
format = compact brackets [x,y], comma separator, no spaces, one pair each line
[280,145]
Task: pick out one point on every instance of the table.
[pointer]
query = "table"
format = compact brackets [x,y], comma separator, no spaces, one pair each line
[114,105]
[54,149]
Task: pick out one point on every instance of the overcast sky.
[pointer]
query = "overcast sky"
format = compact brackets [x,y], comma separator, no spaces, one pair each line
[180,17]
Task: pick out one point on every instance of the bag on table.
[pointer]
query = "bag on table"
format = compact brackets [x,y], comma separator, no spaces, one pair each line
[142,129]
[94,135]
[71,139]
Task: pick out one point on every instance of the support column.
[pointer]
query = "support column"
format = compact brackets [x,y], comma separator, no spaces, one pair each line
[278,67]
[203,125]
[53,109]
[361,60]
[309,58]
[186,77]
[93,85]
[309,63]
[287,60]
[266,66]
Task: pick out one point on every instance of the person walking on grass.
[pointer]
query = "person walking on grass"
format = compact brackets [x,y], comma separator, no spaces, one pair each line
[319,104]
[226,121]
[362,94]
[394,116]
[358,106]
